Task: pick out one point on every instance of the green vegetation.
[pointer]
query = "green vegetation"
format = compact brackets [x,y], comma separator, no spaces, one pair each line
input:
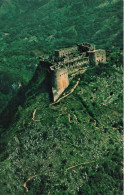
[86,126]
[48,147]
[29,28]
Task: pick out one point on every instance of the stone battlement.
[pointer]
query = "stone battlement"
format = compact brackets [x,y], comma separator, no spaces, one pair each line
[67,61]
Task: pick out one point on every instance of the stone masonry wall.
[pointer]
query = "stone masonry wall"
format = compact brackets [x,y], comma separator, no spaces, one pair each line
[97,56]
[68,61]
[60,82]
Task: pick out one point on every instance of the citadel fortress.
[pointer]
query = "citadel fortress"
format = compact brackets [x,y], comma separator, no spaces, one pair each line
[69,61]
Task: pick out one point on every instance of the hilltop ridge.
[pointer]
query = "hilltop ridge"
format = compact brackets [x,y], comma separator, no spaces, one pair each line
[45,141]
[32,28]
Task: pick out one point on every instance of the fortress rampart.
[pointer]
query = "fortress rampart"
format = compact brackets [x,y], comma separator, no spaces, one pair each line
[69,60]
[60,82]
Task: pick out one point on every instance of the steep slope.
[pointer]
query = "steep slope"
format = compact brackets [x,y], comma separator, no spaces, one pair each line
[73,147]
[31,28]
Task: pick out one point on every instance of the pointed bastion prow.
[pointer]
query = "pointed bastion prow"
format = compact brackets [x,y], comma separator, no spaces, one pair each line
[67,62]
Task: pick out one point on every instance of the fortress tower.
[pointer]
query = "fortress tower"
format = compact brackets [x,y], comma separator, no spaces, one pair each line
[97,56]
[68,61]
[60,82]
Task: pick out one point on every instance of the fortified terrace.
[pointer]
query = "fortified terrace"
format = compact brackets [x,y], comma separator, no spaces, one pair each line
[67,62]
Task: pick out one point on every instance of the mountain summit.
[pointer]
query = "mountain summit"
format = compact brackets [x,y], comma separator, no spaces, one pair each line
[70,147]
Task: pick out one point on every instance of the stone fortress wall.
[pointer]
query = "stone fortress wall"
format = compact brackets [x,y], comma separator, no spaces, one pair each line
[97,56]
[69,60]
[60,82]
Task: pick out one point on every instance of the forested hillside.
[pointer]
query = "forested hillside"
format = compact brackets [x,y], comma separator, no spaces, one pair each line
[29,28]
[72,147]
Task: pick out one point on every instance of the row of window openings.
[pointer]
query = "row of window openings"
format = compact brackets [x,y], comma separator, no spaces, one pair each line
[62,74]
[74,64]
[73,67]
[100,60]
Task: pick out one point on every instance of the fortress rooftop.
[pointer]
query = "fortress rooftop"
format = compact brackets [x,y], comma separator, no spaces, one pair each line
[67,62]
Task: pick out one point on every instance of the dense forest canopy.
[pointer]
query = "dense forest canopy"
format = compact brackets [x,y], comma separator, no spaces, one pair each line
[29,28]
[75,146]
